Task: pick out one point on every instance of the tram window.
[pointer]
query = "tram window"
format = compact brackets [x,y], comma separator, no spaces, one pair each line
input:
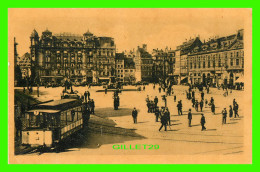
[69,119]
[72,114]
[63,118]
[80,113]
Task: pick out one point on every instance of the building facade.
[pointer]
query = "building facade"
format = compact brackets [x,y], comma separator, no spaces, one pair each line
[163,61]
[125,68]
[143,64]
[217,61]
[120,61]
[180,74]
[25,65]
[55,57]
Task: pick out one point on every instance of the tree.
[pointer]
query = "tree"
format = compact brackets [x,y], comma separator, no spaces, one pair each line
[18,75]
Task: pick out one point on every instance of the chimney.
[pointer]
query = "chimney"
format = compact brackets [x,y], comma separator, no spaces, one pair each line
[145,47]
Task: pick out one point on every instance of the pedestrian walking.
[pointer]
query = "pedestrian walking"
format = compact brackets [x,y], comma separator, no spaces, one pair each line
[175,98]
[193,101]
[202,95]
[211,101]
[234,103]
[230,112]
[168,116]
[197,105]
[189,117]
[224,116]
[213,108]
[236,110]
[193,94]
[92,105]
[201,105]
[202,122]
[206,102]
[164,123]
[155,101]
[134,115]
[157,114]
[179,107]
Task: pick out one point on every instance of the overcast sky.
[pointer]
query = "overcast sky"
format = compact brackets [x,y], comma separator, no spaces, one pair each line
[157,28]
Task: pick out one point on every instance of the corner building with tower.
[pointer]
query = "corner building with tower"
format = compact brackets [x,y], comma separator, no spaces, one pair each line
[79,58]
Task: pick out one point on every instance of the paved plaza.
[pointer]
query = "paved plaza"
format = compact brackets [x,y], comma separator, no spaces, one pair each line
[179,139]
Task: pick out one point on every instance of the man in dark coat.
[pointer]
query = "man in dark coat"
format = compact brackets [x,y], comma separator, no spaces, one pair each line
[193,94]
[155,101]
[230,111]
[201,105]
[202,95]
[179,108]
[116,103]
[164,123]
[211,101]
[157,114]
[236,110]
[202,122]
[224,116]
[92,105]
[189,117]
[168,116]
[134,115]
[213,108]
[85,95]
[193,101]
[196,105]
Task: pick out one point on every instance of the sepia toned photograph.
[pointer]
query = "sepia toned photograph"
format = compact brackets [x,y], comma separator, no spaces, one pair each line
[130,86]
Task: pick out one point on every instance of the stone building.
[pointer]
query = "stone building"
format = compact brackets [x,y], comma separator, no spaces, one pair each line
[180,66]
[217,61]
[120,60]
[125,67]
[163,61]
[143,64]
[86,57]
[25,65]
[129,70]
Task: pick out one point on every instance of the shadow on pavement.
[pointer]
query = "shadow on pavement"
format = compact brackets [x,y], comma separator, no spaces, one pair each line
[110,112]
[94,139]
[231,123]
[211,129]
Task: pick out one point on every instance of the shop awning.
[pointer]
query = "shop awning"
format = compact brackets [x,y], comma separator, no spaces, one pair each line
[51,76]
[184,80]
[240,80]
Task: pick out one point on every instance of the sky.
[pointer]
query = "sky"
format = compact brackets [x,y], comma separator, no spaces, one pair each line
[157,28]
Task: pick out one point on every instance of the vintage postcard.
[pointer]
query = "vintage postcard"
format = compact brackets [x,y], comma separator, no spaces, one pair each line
[130,86]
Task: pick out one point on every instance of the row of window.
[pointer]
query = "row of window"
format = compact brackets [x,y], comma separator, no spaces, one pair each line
[219,64]
[71,115]
[126,70]
[231,54]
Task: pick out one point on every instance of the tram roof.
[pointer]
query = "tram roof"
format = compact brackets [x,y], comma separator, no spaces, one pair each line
[44,110]
[58,102]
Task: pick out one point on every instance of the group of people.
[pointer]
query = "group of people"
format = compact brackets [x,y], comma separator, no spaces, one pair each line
[89,102]
[151,104]
[233,111]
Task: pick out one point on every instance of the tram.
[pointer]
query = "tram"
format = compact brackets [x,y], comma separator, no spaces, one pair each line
[49,123]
